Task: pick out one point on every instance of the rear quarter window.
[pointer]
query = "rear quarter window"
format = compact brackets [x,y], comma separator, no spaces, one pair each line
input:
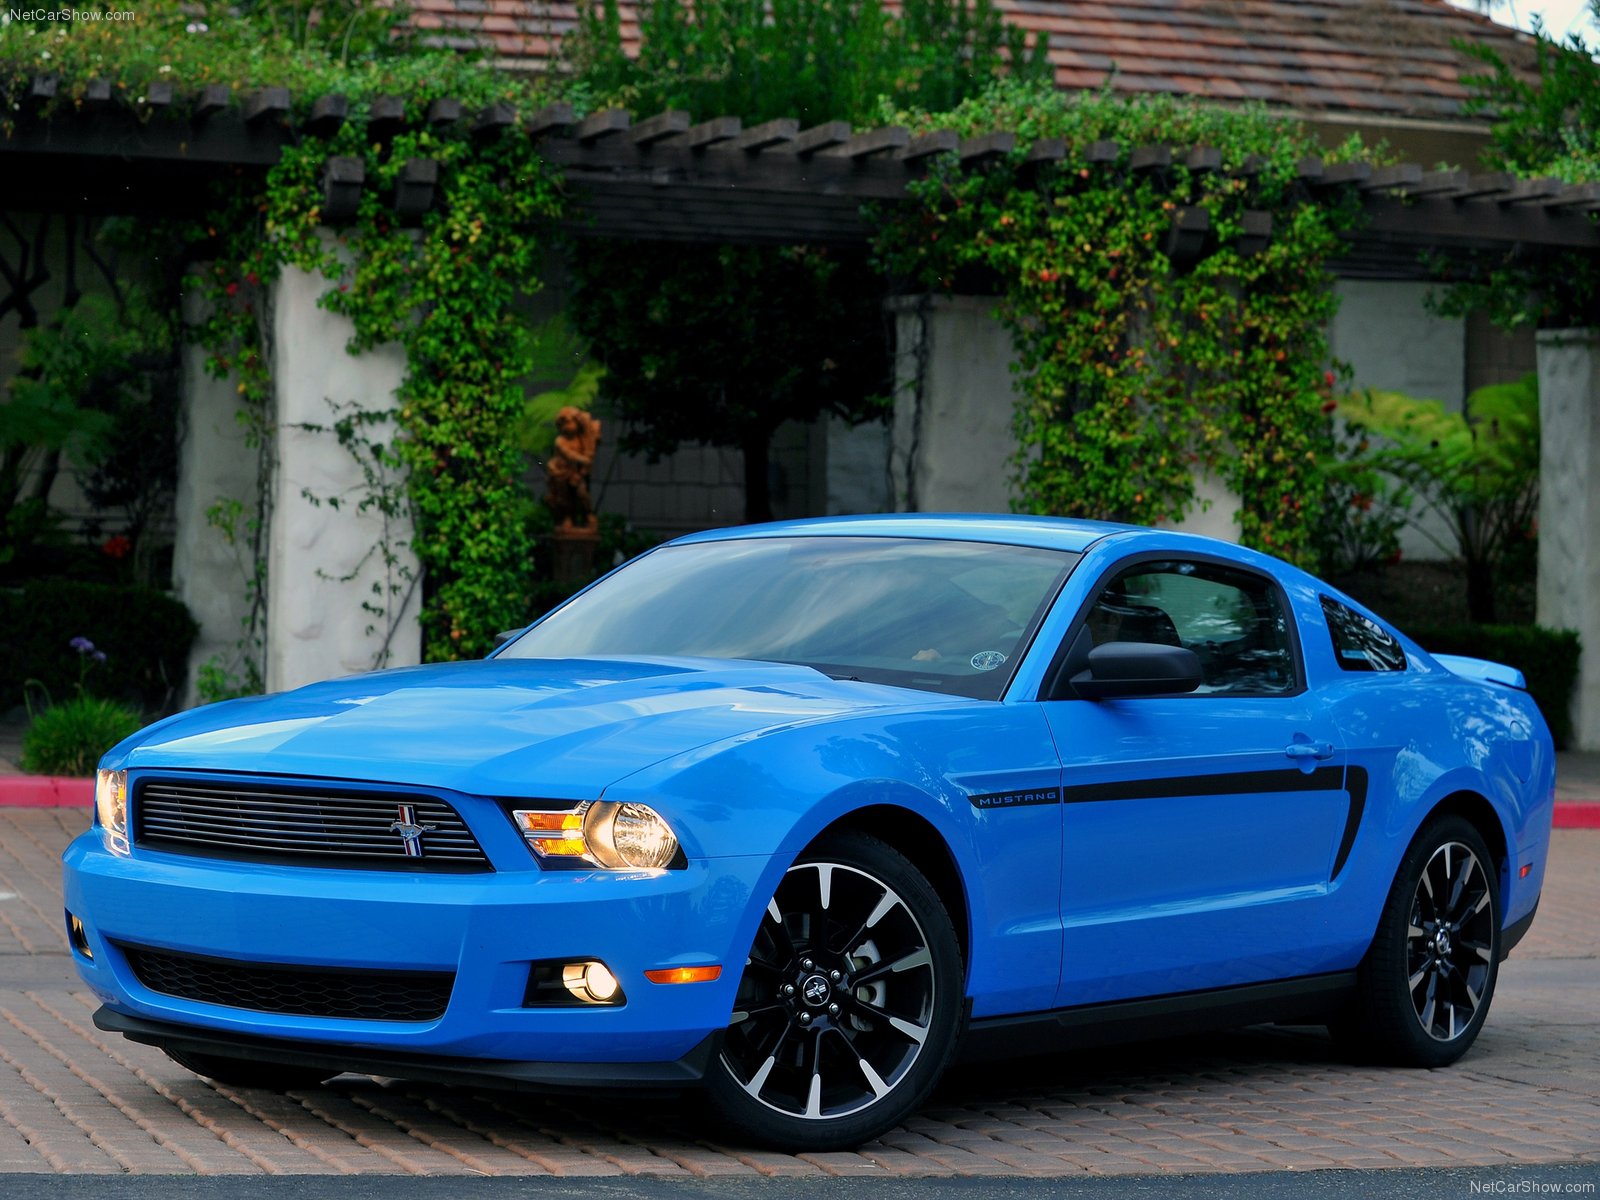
[1360,644]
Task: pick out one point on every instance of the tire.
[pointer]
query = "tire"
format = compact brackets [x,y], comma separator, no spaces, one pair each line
[850,1004]
[244,1072]
[1424,988]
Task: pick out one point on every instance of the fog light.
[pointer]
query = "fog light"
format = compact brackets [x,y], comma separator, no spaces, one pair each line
[590,981]
[572,983]
[78,936]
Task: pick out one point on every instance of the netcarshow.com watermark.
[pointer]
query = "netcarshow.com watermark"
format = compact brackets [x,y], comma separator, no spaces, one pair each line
[1529,1187]
[65,15]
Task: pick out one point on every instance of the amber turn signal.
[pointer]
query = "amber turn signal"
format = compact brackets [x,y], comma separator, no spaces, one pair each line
[684,975]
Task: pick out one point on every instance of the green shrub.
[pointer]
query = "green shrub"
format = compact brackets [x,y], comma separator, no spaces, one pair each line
[1547,658]
[144,633]
[69,738]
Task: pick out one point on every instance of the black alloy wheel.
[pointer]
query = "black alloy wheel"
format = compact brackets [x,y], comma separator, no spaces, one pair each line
[1427,981]
[850,1002]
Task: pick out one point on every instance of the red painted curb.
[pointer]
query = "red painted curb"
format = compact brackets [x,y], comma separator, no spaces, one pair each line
[45,791]
[1577,814]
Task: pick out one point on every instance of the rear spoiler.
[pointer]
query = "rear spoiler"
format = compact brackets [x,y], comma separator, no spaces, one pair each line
[1482,670]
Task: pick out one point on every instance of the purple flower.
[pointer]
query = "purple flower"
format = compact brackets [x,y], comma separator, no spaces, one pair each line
[82,645]
[99,656]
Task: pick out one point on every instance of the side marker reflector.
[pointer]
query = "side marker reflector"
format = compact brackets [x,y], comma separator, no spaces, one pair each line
[1526,868]
[684,975]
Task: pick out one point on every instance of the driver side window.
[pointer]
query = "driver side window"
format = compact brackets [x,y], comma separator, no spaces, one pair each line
[1234,621]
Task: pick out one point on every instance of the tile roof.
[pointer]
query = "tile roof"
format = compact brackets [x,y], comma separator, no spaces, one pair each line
[1372,58]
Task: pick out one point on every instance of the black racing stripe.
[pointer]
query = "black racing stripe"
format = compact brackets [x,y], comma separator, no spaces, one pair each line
[1233,783]
[1357,787]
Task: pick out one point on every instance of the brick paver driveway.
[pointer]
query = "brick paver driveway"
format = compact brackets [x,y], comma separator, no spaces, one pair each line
[73,1099]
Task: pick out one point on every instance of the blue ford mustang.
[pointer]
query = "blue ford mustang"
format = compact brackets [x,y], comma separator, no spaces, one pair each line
[799,813]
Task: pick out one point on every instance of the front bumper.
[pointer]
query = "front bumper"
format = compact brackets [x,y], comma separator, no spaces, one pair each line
[486,928]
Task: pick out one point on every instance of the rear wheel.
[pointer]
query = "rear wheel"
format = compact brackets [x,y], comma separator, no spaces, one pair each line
[1426,983]
[850,1002]
[244,1072]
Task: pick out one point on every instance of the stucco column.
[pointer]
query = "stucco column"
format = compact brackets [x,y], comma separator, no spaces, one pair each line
[1569,508]
[216,471]
[951,440]
[324,563]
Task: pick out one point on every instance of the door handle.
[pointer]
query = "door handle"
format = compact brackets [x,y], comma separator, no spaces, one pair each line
[1304,750]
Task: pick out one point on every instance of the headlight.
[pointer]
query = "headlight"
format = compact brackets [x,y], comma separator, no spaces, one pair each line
[111,801]
[620,836]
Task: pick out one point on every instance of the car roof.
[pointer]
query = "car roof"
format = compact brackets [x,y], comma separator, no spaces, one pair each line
[1049,533]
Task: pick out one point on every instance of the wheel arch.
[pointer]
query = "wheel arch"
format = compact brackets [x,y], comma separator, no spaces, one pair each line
[914,836]
[1474,808]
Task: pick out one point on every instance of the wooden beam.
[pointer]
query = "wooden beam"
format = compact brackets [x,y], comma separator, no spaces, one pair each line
[414,187]
[1186,236]
[385,116]
[875,141]
[986,148]
[1150,158]
[1400,175]
[213,99]
[707,134]
[663,125]
[1255,232]
[1309,170]
[1203,159]
[602,124]
[97,95]
[444,111]
[763,136]
[549,119]
[1449,223]
[1490,183]
[267,104]
[939,141]
[1576,195]
[494,120]
[158,96]
[1103,153]
[1533,191]
[342,177]
[1250,167]
[818,137]
[43,87]
[1044,152]
[1439,183]
[1338,174]
[328,114]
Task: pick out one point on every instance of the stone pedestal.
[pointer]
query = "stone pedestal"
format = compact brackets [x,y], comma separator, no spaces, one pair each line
[572,550]
[325,563]
[1569,508]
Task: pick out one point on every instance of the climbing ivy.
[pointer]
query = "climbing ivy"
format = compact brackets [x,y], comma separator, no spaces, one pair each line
[1134,371]
[447,292]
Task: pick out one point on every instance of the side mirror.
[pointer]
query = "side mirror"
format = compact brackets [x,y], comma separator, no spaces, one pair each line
[505,635]
[1138,669]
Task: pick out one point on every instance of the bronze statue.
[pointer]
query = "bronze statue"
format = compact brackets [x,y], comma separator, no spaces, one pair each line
[577,439]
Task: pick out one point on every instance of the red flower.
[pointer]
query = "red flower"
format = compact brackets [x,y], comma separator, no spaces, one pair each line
[1329,405]
[252,279]
[1327,378]
[233,289]
[116,546]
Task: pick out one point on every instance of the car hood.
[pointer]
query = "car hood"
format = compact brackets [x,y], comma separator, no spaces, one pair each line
[557,728]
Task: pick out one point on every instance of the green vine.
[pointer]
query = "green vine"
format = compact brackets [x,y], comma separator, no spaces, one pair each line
[1135,371]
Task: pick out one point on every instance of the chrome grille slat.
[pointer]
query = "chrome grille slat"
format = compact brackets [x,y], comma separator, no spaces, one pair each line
[268,823]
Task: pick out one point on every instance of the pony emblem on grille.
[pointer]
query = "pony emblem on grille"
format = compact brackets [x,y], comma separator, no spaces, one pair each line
[410,832]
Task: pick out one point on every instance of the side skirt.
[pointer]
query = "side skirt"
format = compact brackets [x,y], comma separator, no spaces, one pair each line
[1309,1000]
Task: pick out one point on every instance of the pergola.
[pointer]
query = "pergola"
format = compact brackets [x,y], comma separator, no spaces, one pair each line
[665,178]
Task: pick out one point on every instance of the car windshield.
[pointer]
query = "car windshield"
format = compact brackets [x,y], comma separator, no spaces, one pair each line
[941,616]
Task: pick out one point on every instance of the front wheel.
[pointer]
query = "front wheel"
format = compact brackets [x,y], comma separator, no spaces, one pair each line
[850,1002]
[1425,986]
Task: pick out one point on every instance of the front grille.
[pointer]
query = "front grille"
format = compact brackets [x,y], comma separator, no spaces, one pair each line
[298,991]
[308,821]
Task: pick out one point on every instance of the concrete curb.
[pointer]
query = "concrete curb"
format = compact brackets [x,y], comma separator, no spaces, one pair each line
[45,791]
